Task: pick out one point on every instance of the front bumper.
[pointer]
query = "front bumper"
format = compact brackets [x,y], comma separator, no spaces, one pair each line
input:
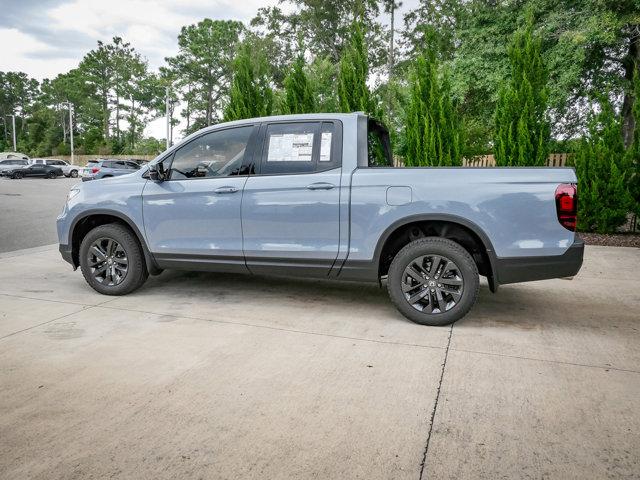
[528,269]
[67,254]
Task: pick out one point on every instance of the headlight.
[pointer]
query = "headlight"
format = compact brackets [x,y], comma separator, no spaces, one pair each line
[72,193]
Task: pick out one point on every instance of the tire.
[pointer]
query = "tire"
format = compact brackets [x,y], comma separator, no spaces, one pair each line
[51,175]
[422,255]
[136,273]
[73,174]
[17,175]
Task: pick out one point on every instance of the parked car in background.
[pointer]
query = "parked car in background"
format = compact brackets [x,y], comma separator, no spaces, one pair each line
[140,162]
[35,170]
[318,196]
[67,169]
[13,155]
[105,168]
[10,164]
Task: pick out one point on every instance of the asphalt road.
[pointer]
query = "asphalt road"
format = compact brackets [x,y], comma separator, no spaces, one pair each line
[28,211]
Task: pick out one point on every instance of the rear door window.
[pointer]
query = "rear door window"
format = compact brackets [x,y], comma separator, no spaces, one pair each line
[304,147]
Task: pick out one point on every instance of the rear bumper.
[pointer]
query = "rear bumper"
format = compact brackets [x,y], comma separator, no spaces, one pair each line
[527,269]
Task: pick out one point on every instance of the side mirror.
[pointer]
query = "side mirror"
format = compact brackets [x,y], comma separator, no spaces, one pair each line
[156,172]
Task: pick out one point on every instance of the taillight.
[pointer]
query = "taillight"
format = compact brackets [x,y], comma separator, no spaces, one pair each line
[567,205]
[95,169]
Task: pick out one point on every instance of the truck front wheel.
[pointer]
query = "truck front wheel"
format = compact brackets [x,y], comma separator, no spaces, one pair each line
[433,281]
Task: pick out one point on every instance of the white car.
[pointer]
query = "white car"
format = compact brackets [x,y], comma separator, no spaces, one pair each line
[9,164]
[68,169]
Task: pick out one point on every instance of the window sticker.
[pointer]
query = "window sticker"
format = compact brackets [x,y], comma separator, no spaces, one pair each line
[290,147]
[325,147]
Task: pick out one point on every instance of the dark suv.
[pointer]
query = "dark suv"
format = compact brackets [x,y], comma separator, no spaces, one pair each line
[105,168]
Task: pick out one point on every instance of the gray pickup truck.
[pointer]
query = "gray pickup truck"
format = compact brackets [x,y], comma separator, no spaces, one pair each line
[318,196]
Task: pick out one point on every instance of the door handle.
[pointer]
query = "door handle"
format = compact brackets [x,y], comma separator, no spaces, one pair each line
[225,190]
[321,186]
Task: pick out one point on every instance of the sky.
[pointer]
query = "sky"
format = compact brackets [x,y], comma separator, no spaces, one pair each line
[46,37]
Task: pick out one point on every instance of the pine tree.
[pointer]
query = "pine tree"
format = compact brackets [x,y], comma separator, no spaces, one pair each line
[250,94]
[298,94]
[432,131]
[603,198]
[353,92]
[521,130]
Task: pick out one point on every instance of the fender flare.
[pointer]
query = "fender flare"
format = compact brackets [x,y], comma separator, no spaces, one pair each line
[150,261]
[443,217]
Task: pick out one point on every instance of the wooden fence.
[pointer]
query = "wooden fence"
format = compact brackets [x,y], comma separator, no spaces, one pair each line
[554,160]
[82,160]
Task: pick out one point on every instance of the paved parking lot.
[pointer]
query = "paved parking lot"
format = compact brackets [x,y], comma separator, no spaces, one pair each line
[219,376]
[28,208]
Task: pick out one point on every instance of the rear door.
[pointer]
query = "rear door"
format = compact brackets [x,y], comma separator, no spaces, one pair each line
[290,208]
[193,218]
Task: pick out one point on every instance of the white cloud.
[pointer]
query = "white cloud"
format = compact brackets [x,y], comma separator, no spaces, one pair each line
[17,53]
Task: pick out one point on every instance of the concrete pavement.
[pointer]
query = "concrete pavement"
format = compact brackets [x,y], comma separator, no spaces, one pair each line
[218,376]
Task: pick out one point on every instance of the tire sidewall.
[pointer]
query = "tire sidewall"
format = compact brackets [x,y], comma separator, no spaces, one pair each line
[434,246]
[136,272]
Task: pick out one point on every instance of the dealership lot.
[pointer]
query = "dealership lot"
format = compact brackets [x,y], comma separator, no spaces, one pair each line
[222,376]
[28,209]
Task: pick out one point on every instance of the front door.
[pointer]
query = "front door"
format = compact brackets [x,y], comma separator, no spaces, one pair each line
[192,219]
[291,207]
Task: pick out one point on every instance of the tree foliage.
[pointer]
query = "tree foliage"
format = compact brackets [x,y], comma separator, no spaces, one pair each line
[601,169]
[203,68]
[298,95]
[353,91]
[250,95]
[432,128]
[522,130]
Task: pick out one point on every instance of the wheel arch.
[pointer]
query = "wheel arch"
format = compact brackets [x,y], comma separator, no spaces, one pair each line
[465,232]
[96,217]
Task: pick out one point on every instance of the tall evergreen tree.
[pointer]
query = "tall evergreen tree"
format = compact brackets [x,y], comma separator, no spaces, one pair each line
[250,95]
[298,94]
[522,132]
[633,153]
[432,130]
[353,92]
[601,169]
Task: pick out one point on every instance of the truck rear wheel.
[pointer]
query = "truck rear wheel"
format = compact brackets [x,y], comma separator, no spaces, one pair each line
[433,281]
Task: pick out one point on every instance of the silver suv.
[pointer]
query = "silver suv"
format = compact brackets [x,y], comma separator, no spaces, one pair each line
[105,168]
[10,164]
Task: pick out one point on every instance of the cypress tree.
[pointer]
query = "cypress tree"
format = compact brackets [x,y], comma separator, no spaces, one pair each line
[353,92]
[250,94]
[600,166]
[432,129]
[633,153]
[298,93]
[521,130]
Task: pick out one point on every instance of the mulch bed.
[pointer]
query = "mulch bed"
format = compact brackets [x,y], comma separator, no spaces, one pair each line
[612,240]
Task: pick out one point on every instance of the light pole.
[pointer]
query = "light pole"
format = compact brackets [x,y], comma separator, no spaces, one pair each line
[13,130]
[71,131]
[168,118]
